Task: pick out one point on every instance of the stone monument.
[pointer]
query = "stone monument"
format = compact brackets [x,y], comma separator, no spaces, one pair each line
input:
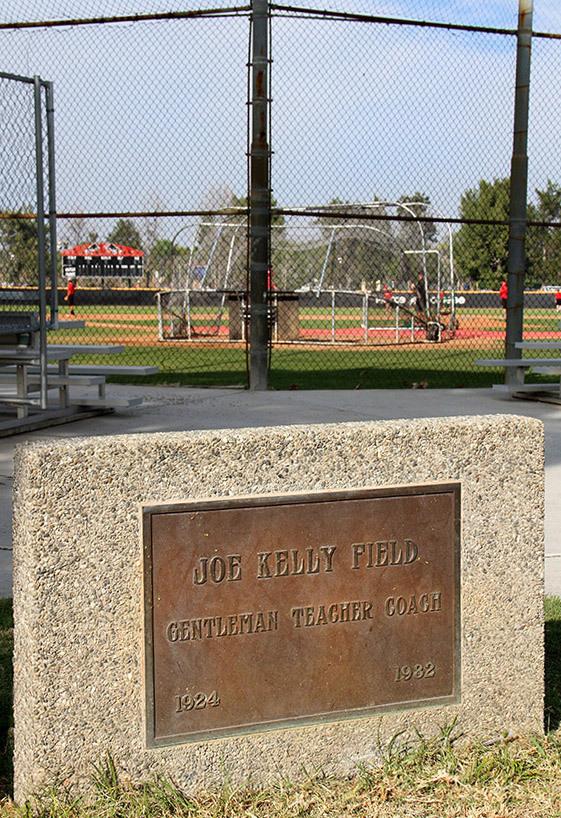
[250,603]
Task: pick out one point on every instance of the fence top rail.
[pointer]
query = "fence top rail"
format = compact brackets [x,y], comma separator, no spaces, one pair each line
[278,8]
[5,75]
[223,11]
[358,17]
[304,11]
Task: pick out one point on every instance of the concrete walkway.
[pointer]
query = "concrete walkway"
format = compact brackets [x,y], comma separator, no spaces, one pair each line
[176,409]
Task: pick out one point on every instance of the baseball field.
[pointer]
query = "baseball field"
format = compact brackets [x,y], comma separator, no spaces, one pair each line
[328,348]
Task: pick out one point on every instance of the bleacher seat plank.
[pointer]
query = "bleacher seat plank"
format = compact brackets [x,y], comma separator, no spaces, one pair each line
[538,344]
[523,363]
[88,349]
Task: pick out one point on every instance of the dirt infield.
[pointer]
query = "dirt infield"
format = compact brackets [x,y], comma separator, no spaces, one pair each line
[115,315]
[147,337]
[481,331]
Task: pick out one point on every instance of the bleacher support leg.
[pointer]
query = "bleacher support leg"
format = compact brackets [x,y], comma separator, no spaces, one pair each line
[64,397]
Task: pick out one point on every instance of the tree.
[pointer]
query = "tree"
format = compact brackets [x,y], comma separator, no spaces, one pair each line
[164,249]
[543,245]
[418,204]
[126,232]
[151,224]
[151,232]
[360,250]
[166,260]
[75,231]
[481,250]
[19,250]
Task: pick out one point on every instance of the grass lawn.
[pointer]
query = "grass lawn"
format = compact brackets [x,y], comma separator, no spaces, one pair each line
[430,778]
[294,368]
[321,366]
[379,368]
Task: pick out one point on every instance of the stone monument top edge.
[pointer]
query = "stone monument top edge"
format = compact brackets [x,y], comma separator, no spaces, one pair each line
[136,439]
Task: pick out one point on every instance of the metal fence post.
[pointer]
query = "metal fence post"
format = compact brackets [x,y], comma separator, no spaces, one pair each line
[259,197]
[41,244]
[52,201]
[160,317]
[518,194]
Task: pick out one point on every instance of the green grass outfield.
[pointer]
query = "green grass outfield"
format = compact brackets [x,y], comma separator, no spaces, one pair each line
[375,368]
[320,366]
[544,319]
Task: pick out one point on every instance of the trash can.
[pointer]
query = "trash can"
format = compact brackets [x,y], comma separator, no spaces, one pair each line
[288,316]
[236,315]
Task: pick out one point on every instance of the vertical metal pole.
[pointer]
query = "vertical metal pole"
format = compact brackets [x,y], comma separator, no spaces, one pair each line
[52,201]
[518,194]
[325,262]
[333,316]
[452,277]
[438,287]
[41,244]
[259,197]
[211,255]
[160,317]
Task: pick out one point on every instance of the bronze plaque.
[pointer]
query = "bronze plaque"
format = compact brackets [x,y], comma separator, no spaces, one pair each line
[274,611]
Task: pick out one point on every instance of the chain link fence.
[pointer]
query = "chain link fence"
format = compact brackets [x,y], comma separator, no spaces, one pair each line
[391,140]
[28,246]
[27,242]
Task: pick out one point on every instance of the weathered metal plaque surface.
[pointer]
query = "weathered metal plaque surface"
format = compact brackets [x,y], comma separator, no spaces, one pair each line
[270,612]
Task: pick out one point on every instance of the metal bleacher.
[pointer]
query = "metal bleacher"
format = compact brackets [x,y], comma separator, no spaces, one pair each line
[37,379]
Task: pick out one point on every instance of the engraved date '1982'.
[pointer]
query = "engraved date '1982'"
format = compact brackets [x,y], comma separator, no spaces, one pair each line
[404,673]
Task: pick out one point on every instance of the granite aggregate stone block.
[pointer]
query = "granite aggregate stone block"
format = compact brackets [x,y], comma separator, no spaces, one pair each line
[78,587]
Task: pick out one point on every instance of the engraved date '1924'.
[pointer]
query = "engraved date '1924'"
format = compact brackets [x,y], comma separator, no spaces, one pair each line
[196,701]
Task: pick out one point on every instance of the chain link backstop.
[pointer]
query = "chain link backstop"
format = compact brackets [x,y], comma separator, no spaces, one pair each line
[373,151]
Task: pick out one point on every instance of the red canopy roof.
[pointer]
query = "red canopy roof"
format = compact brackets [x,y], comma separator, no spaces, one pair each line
[100,248]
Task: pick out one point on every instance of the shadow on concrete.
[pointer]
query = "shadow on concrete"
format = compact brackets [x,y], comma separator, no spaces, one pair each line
[6,686]
[552,708]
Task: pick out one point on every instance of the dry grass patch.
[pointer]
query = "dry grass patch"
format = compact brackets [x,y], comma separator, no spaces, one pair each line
[425,779]
[420,778]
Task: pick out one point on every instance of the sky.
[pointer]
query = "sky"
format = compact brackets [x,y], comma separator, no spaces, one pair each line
[153,115]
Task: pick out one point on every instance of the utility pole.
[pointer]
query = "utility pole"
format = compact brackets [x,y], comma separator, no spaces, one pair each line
[518,194]
[259,198]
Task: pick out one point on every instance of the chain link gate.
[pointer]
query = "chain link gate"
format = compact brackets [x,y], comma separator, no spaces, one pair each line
[28,248]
